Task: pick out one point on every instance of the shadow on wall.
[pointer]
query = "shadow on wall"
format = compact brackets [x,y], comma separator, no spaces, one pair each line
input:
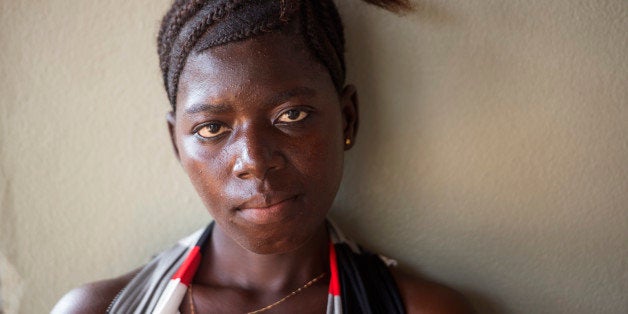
[11,283]
[374,183]
[11,287]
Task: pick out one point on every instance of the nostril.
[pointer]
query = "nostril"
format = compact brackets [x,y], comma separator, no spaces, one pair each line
[254,159]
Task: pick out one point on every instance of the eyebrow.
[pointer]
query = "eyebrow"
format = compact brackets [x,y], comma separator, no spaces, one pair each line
[275,99]
[210,108]
[285,95]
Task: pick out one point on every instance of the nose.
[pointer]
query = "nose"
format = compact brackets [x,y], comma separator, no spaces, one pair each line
[256,154]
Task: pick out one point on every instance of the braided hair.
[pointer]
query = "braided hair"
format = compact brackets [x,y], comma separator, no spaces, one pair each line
[195,25]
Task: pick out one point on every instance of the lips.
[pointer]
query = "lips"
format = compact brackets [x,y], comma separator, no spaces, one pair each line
[267,208]
[266,200]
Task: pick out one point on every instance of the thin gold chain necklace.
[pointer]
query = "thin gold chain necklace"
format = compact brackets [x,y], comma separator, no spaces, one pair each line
[266,308]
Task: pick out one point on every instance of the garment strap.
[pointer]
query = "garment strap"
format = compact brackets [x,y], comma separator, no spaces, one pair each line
[360,282]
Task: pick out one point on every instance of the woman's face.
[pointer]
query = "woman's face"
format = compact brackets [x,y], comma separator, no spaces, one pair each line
[260,130]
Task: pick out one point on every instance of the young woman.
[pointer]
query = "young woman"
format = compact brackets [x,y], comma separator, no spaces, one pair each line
[261,118]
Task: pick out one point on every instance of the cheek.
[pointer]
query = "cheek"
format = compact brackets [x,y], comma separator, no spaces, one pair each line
[320,159]
[191,150]
[206,171]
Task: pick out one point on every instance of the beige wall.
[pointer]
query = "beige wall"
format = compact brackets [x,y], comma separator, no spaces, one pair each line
[492,152]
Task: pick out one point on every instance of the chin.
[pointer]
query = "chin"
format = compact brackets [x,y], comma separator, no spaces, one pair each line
[279,240]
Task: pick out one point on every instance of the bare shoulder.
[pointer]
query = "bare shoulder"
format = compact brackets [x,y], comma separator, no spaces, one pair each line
[423,296]
[93,297]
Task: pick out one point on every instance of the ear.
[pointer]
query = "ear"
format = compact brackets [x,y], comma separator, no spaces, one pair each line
[350,116]
[170,118]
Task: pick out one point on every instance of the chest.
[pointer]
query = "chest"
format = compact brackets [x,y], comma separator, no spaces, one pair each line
[225,300]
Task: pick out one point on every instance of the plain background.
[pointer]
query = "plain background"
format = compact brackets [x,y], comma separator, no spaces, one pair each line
[492,154]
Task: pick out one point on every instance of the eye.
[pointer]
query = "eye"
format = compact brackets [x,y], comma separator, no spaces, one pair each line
[211,130]
[292,115]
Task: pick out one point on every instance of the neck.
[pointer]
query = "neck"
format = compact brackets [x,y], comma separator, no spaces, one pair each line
[225,263]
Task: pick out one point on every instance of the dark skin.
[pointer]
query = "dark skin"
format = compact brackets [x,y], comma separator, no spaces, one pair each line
[260,130]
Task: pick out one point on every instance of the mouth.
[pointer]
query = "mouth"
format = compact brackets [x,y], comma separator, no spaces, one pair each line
[269,208]
[266,200]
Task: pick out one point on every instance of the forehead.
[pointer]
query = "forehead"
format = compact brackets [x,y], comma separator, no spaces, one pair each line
[261,65]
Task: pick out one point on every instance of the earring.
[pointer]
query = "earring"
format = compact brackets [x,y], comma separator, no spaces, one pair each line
[348,142]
